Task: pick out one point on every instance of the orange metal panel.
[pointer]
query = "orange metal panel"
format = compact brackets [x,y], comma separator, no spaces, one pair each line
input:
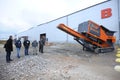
[78,35]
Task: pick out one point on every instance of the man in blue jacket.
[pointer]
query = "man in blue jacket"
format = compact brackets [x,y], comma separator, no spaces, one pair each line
[26,44]
[18,47]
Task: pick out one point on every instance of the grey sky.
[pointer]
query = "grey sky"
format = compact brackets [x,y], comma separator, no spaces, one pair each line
[20,15]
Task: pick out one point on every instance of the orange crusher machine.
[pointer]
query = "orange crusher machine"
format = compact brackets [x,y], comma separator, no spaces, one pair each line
[92,37]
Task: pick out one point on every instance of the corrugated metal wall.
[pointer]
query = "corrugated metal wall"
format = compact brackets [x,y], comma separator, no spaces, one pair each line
[73,20]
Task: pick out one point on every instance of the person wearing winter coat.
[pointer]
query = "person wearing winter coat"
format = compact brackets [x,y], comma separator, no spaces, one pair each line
[26,44]
[8,48]
[41,44]
[34,45]
[18,47]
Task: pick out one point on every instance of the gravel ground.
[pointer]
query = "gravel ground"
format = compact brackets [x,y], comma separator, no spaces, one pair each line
[59,62]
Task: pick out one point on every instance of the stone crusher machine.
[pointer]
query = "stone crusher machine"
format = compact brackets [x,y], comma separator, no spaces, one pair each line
[92,37]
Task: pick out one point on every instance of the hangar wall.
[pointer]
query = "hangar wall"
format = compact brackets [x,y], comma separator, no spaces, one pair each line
[119,17]
[73,20]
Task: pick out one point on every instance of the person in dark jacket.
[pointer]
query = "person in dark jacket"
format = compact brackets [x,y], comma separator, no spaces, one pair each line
[8,48]
[41,44]
[18,47]
[26,44]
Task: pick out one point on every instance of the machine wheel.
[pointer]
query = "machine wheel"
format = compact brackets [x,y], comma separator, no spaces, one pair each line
[85,49]
[97,50]
[103,50]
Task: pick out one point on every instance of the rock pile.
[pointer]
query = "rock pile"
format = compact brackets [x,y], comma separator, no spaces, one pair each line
[47,68]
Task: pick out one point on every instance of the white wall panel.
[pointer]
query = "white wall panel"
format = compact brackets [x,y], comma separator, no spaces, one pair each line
[73,20]
[94,14]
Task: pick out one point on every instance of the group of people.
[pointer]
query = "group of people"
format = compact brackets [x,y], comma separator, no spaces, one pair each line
[9,47]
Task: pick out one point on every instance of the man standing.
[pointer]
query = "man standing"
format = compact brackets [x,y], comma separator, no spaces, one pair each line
[41,44]
[34,45]
[8,48]
[18,47]
[26,44]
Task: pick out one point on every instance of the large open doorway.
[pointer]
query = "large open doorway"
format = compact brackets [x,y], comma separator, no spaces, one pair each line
[43,34]
[24,37]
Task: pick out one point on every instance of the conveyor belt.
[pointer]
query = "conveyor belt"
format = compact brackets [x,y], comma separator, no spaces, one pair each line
[78,35]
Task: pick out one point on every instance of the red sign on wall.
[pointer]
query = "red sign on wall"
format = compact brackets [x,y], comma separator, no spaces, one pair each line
[106,13]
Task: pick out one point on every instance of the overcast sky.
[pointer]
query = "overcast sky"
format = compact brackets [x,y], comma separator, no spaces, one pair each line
[20,15]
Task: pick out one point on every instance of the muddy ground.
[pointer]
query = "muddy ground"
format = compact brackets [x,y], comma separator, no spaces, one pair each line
[60,61]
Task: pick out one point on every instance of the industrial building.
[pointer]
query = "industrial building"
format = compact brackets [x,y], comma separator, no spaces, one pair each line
[106,13]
